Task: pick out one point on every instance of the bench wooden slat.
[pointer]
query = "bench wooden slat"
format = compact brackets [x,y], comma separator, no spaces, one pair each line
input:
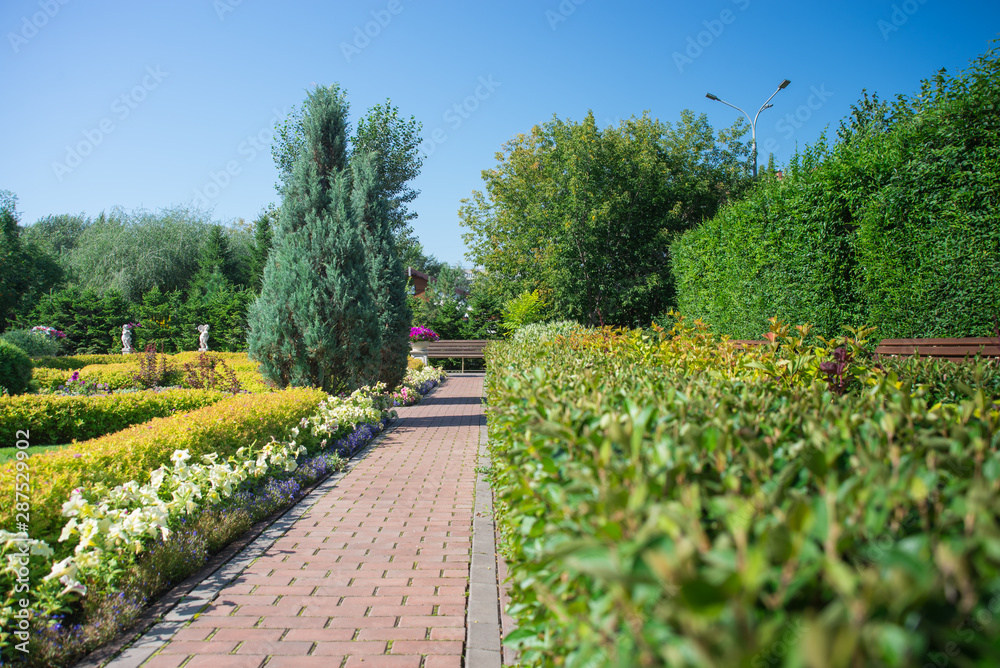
[972,340]
[953,349]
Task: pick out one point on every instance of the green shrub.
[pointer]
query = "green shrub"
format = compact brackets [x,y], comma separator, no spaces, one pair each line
[15,368]
[916,178]
[674,502]
[131,454]
[35,345]
[58,419]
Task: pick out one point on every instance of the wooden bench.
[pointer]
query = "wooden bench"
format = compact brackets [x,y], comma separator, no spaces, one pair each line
[951,349]
[472,348]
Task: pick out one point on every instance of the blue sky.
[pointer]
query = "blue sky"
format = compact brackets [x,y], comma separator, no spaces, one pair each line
[142,104]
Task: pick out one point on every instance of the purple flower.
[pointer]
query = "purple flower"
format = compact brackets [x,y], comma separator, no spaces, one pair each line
[423,334]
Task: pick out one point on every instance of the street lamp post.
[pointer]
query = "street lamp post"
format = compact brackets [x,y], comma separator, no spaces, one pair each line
[753,121]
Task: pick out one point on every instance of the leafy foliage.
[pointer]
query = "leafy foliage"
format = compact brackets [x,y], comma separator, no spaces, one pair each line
[33,343]
[28,270]
[15,368]
[527,308]
[60,419]
[586,216]
[668,500]
[915,177]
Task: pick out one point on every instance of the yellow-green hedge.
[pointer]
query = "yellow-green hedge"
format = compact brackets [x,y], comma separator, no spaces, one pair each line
[118,371]
[77,361]
[116,376]
[54,419]
[133,453]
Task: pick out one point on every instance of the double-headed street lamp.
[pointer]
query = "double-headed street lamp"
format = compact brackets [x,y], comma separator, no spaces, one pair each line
[753,121]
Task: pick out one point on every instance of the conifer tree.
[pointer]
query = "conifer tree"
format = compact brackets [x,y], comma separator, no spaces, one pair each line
[262,234]
[315,322]
[385,272]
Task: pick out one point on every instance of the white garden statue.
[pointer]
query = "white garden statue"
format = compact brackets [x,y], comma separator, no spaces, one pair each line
[127,339]
[203,338]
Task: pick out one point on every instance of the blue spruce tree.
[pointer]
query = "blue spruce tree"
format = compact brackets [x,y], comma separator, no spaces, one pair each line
[315,322]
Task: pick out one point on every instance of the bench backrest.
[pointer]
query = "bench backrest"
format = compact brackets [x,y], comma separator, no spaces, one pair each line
[456,348]
[953,349]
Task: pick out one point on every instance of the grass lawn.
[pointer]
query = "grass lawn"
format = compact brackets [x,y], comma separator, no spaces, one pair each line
[7,454]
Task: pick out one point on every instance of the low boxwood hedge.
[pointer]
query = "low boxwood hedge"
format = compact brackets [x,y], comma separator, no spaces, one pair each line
[54,419]
[673,502]
[132,453]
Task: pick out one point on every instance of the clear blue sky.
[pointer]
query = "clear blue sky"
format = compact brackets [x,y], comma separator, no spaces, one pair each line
[162,96]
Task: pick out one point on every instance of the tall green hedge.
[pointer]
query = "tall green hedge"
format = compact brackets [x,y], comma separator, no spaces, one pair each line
[896,224]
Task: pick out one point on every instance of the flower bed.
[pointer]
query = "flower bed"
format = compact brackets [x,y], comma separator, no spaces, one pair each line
[133,453]
[669,501]
[125,542]
[55,419]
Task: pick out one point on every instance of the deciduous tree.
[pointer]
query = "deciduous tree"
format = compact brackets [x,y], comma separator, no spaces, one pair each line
[586,216]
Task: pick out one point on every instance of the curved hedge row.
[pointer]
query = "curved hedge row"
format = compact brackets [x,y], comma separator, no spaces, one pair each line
[896,226]
[55,419]
[675,503]
[132,453]
[118,371]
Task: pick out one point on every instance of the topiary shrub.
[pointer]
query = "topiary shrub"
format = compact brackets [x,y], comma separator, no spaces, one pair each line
[15,368]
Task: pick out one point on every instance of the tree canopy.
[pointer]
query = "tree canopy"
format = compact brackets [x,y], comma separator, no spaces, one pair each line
[586,216]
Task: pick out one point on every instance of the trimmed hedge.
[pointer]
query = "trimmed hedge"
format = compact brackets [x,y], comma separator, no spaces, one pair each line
[672,502]
[896,225]
[118,371]
[73,362]
[116,376]
[55,419]
[133,453]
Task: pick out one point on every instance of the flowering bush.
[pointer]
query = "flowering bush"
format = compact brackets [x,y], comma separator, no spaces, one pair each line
[423,334]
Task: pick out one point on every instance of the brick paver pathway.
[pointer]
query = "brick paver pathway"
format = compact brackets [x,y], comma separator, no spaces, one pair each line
[375,573]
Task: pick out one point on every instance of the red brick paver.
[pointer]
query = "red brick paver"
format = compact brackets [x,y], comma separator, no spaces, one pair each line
[376,572]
